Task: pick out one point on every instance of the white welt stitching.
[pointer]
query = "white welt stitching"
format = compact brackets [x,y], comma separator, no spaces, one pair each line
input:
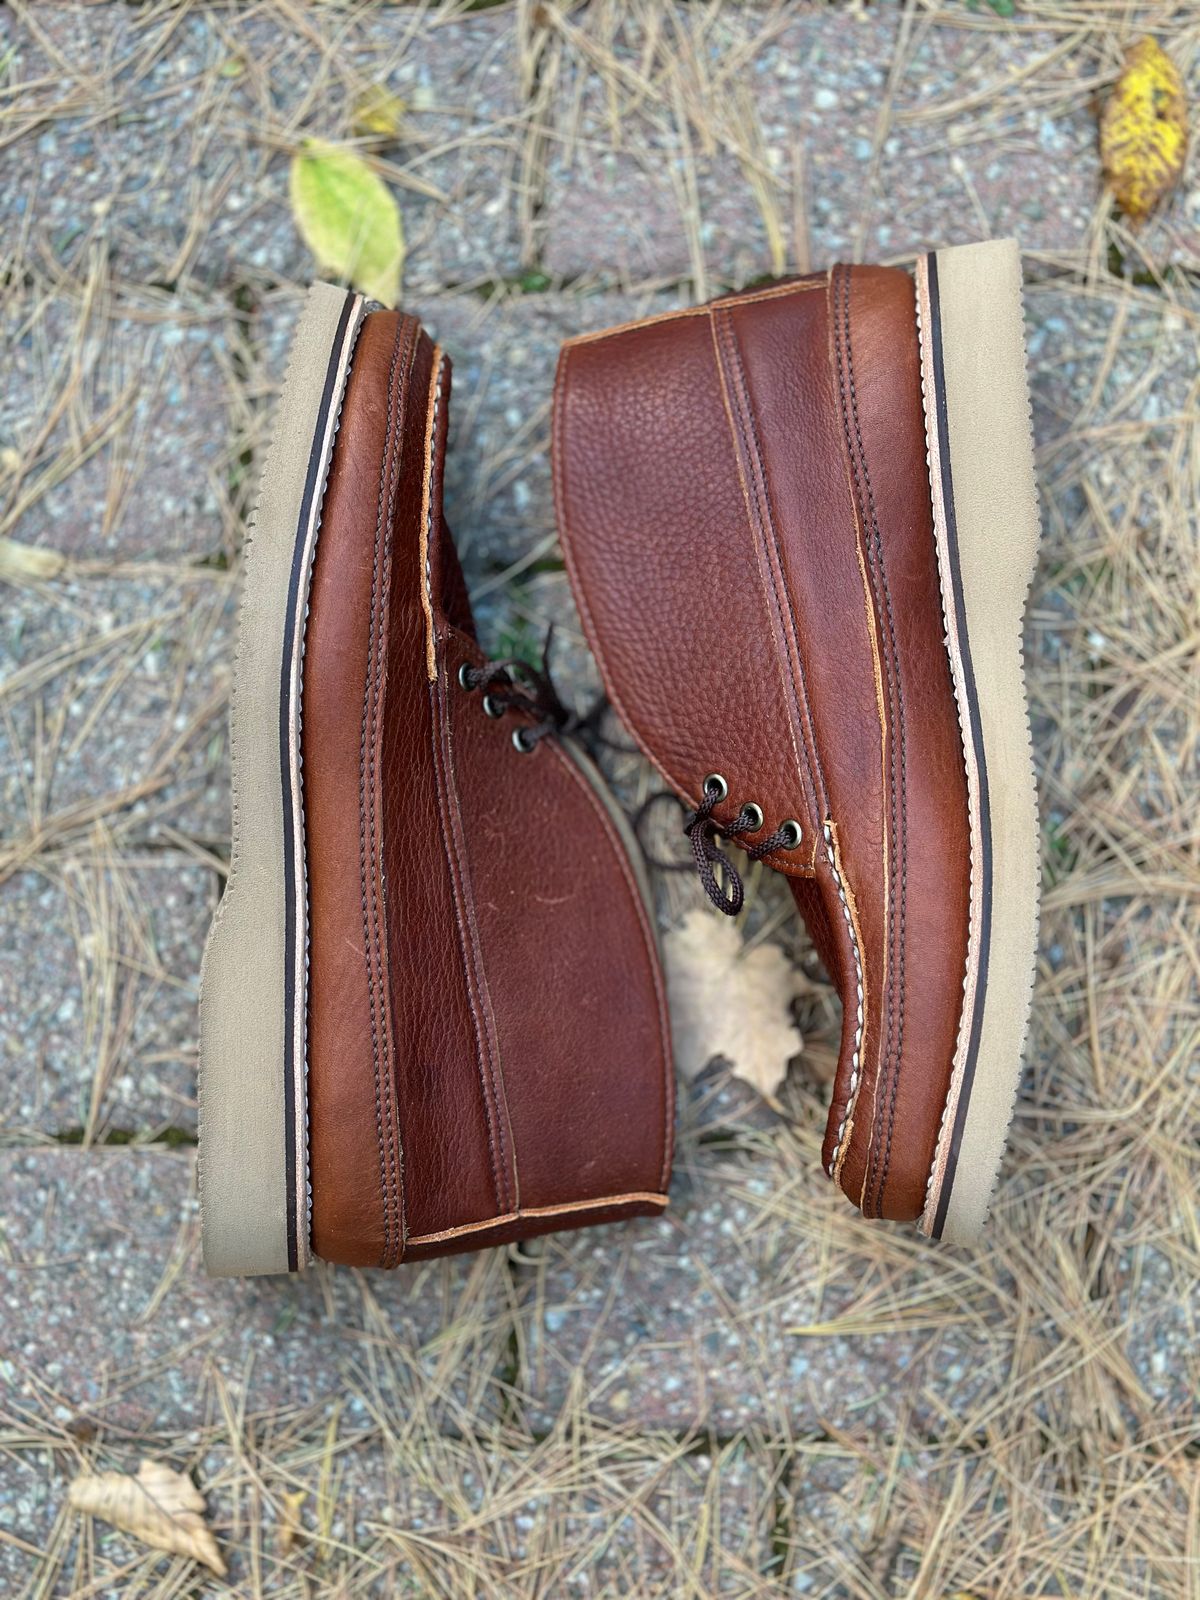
[855,1065]
[437,406]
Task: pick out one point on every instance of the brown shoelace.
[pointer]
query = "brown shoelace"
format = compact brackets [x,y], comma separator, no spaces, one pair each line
[721,880]
[726,891]
[517,685]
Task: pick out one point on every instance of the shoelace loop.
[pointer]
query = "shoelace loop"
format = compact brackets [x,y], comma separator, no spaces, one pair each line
[721,880]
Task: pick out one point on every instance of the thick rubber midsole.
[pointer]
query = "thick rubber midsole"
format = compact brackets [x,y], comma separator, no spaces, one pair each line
[254,1190]
[986,525]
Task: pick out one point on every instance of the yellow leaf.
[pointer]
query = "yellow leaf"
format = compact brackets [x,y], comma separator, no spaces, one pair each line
[290,1526]
[25,561]
[727,1001]
[378,114]
[348,219]
[162,1508]
[1143,130]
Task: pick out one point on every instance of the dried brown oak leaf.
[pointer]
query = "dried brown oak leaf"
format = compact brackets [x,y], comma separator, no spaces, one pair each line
[162,1508]
[731,1002]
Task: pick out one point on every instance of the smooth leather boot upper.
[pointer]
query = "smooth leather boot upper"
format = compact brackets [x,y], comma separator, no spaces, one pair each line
[744,506]
[488,1051]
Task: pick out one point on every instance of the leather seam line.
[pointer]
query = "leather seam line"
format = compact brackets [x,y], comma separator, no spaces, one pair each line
[476,991]
[369,934]
[391,1108]
[871,632]
[856,1062]
[379,887]
[877,1181]
[816,774]
[603,1203]
[777,292]
[435,406]
[367,817]
[840,314]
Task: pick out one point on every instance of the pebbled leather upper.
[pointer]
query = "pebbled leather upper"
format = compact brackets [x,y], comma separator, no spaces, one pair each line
[488,1051]
[744,507]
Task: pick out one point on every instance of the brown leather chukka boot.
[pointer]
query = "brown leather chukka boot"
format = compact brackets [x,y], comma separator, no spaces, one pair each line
[432,1012]
[801,523]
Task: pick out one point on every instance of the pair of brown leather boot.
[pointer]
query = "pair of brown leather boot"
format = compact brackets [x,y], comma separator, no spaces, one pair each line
[800,523]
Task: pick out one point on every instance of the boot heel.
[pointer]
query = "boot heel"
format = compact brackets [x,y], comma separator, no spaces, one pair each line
[254,1199]
[977,424]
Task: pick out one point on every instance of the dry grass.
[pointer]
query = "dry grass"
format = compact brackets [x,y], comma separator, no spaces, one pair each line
[770,1396]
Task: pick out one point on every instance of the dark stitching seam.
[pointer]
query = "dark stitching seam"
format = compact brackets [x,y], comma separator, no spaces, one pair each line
[836,281]
[867,512]
[389,1083]
[816,776]
[362,827]
[737,420]
[898,772]
[367,819]
[903,782]
[404,391]
[874,557]
[476,991]
[483,1047]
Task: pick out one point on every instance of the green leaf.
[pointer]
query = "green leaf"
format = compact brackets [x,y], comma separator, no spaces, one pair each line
[348,219]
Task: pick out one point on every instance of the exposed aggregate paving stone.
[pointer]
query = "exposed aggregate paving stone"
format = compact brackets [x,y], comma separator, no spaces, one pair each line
[116,696]
[785,137]
[116,423]
[710,1317]
[190,182]
[143,1344]
[141,1339]
[101,967]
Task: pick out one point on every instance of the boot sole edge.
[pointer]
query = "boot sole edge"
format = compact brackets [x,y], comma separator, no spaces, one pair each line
[253,1133]
[980,446]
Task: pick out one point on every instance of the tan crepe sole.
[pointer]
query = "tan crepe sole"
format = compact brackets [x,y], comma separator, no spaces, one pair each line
[977,423]
[254,1195]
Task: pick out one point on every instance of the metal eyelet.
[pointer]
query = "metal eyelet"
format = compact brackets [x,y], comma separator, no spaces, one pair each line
[492,707]
[464,676]
[795,833]
[715,781]
[754,816]
[521,743]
